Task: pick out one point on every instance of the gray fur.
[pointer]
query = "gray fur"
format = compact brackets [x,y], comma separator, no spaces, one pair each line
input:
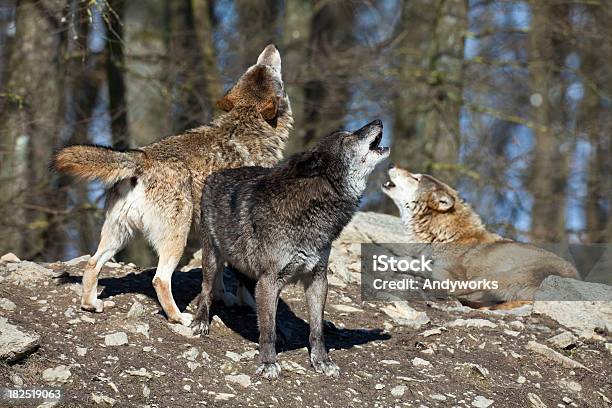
[276,226]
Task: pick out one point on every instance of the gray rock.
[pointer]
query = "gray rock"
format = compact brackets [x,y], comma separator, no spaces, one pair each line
[136,311]
[9,257]
[27,273]
[482,402]
[419,362]
[404,315]
[116,339]
[577,305]
[59,374]
[103,400]
[15,343]
[7,305]
[398,390]
[553,355]
[233,356]
[535,401]
[241,379]
[478,323]
[563,340]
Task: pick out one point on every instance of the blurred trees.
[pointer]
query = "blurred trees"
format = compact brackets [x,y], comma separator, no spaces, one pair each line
[510,101]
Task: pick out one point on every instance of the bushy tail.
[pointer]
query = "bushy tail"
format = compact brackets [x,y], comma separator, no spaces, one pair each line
[97,162]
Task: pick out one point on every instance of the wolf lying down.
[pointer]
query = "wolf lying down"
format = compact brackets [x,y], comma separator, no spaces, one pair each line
[433,212]
[276,227]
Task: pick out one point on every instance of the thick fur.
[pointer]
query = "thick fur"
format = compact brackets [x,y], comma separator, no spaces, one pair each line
[434,213]
[276,226]
[156,189]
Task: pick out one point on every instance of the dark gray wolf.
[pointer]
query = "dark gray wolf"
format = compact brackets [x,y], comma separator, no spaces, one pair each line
[433,212]
[276,227]
[156,189]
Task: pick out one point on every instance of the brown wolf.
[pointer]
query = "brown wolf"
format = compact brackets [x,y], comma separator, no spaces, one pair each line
[156,189]
[433,212]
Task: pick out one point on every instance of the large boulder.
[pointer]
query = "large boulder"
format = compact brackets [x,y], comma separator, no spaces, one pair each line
[577,305]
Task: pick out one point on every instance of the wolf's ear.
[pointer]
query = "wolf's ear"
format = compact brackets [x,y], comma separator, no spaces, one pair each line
[269,110]
[309,165]
[226,103]
[441,201]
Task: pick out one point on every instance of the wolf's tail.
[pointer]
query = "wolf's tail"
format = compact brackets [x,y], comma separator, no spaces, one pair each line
[97,162]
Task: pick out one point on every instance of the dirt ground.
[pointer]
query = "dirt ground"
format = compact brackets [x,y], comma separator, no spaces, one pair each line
[383,364]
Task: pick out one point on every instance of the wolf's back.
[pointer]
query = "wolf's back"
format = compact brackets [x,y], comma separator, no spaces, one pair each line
[97,162]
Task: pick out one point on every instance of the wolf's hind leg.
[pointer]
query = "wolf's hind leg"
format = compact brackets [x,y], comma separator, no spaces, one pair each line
[212,277]
[169,256]
[113,238]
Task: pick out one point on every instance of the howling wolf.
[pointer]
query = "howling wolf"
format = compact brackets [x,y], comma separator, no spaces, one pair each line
[464,249]
[156,189]
[276,226]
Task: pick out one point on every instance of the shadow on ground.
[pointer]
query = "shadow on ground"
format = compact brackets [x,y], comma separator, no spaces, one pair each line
[292,331]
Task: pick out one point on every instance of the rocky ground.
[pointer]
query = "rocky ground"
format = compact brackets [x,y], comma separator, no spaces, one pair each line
[415,354]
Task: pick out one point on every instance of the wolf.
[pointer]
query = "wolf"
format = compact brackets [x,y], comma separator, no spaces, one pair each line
[433,212]
[156,189]
[276,226]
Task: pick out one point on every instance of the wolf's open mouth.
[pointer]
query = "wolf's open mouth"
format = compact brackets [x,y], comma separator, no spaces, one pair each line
[389,184]
[374,146]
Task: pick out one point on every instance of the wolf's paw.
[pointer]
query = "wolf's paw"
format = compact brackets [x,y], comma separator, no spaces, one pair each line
[186,319]
[329,368]
[271,371]
[200,327]
[97,306]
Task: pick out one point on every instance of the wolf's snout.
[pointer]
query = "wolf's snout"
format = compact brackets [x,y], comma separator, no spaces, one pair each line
[271,57]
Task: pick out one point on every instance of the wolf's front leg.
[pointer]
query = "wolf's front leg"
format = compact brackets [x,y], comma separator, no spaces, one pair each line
[267,291]
[316,293]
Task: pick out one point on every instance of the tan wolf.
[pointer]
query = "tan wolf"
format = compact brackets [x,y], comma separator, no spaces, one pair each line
[156,189]
[433,212]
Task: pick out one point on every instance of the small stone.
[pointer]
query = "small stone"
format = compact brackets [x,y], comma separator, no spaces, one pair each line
[142,372]
[146,391]
[478,323]
[249,354]
[389,362]
[521,379]
[482,402]
[69,313]
[553,355]
[419,362]
[116,339]
[16,380]
[379,386]
[136,311]
[81,351]
[8,305]
[187,388]
[241,379]
[88,319]
[535,401]
[512,333]
[60,373]
[182,330]
[398,390]
[563,340]
[347,309]
[233,356]
[516,325]
[572,386]
[191,354]
[567,400]
[222,396]
[432,332]
[193,365]
[15,343]
[292,366]
[404,315]
[438,397]
[103,400]
[9,257]
[608,347]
